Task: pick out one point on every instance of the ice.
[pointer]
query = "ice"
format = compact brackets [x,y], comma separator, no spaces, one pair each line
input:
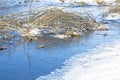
[101,63]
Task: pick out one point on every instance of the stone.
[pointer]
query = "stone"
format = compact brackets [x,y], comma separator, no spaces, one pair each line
[74,34]
[2,48]
[103,28]
[41,46]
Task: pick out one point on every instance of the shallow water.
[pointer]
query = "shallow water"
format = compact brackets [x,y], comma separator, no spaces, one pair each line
[100,63]
[24,61]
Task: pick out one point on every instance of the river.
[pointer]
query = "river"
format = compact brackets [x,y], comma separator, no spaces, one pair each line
[24,61]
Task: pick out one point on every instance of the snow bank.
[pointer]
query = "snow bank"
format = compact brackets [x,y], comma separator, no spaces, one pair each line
[113,17]
[49,0]
[4,3]
[101,63]
[91,2]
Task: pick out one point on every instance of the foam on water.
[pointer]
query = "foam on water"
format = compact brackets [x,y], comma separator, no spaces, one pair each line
[101,63]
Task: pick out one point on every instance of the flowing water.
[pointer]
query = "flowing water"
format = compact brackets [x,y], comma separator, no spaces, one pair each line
[22,60]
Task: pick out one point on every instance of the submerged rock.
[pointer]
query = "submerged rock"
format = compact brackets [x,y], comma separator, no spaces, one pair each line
[41,46]
[2,48]
[105,34]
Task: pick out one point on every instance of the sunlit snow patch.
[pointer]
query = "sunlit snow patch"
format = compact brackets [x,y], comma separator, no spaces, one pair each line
[92,2]
[62,36]
[34,31]
[102,63]
[113,16]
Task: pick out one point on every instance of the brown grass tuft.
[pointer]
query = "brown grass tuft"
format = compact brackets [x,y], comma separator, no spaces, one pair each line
[115,9]
[101,2]
[59,21]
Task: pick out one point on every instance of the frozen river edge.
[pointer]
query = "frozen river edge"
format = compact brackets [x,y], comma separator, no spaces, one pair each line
[101,63]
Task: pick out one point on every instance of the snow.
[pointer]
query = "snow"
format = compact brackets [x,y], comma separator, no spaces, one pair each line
[4,3]
[62,36]
[92,2]
[113,16]
[34,31]
[89,2]
[101,63]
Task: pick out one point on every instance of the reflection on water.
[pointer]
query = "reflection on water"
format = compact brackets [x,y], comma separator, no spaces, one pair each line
[24,61]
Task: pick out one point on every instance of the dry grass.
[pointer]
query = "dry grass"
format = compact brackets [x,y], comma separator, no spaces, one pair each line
[101,2]
[62,0]
[118,1]
[57,19]
[71,22]
[4,31]
[81,3]
[115,9]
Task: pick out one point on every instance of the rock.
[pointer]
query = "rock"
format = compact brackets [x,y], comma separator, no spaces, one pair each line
[30,39]
[75,34]
[2,48]
[41,46]
[103,28]
[68,33]
[105,34]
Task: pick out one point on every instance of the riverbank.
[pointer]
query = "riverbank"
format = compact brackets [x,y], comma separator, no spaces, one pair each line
[24,60]
[25,56]
[101,63]
[49,21]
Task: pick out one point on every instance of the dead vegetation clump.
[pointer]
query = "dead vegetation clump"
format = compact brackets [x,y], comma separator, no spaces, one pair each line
[117,1]
[101,2]
[64,22]
[4,31]
[81,3]
[52,20]
[115,9]
[62,0]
